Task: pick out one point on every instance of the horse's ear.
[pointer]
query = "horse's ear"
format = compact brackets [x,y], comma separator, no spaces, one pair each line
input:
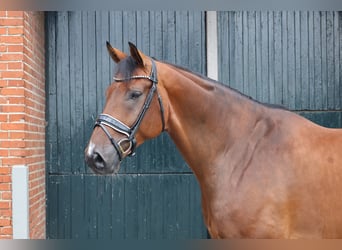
[115,54]
[136,54]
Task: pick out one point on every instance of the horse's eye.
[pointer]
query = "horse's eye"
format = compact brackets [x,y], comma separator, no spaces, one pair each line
[134,95]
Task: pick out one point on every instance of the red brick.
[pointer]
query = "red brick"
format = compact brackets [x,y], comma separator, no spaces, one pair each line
[3,31]
[15,66]
[12,91]
[6,195]
[3,48]
[12,144]
[5,170]
[15,13]
[19,153]
[5,178]
[3,83]
[11,56]
[3,152]
[5,186]
[5,222]
[11,39]
[16,117]
[15,30]
[3,118]
[12,74]
[15,48]
[13,126]
[15,83]
[6,213]
[5,204]
[6,231]
[12,108]
[11,22]
[16,99]
[3,66]
[17,135]
[13,161]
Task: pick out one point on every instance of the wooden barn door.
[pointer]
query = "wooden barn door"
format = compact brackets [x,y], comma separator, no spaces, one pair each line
[155,195]
[290,58]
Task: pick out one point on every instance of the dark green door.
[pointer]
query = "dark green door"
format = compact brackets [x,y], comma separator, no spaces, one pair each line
[291,58]
[155,195]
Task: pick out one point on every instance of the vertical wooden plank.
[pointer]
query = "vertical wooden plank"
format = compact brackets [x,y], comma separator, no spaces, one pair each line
[311,60]
[330,69]
[144,211]
[143,34]
[317,72]
[51,91]
[182,28]
[103,77]
[251,51]
[285,49]
[337,58]
[64,212]
[224,47]
[169,35]
[116,31]
[305,96]
[231,53]
[129,29]
[104,207]
[258,47]
[265,58]
[53,206]
[90,213]
[157,208]
[90,88]
[324,80]
[297,41]
[239,51]
[131,206]
[63,95]
[291,70]
[118,207]
[76,92]
[271,58]
[278,55]
[245,55]
[77,203]
[170,207]
[197,53]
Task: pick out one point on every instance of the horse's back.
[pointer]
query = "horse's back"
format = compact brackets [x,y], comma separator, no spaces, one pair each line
[291,187]
[314,180]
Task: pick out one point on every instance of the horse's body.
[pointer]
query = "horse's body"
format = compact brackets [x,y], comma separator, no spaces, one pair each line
[264,172]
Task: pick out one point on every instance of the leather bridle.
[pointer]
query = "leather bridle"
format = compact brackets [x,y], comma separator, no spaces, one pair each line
[104,120]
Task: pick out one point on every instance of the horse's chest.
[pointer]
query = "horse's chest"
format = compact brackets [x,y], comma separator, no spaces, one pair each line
[245,218]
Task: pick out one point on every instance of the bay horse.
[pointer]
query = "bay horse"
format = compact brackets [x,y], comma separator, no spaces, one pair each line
[263,172]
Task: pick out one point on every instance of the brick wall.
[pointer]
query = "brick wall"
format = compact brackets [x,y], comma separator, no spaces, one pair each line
[22,114]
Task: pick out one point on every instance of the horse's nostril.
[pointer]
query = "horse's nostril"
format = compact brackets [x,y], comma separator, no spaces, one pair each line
[95,160]
[98,161]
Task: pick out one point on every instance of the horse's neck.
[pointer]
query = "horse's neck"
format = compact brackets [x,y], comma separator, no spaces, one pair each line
[206,119]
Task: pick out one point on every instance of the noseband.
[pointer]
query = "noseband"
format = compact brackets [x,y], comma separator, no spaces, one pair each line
[103,121]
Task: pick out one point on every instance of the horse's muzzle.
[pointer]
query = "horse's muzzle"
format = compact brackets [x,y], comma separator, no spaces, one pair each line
[101,162]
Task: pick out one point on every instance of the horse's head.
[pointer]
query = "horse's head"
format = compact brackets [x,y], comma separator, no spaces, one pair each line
[133,111]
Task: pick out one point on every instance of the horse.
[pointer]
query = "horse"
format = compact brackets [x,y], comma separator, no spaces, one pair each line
[263,171]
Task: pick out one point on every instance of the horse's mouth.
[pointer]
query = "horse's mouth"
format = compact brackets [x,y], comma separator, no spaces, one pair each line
[105,170]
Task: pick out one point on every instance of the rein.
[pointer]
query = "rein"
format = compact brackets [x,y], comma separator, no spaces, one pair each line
[105,120]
